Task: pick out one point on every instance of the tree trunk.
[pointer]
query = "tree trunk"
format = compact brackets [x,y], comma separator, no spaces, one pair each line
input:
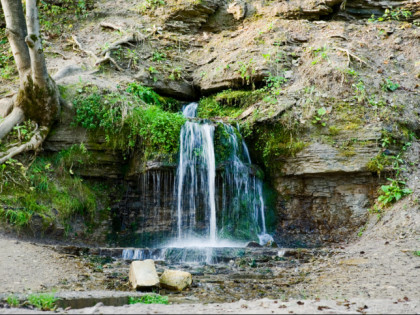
[38,98]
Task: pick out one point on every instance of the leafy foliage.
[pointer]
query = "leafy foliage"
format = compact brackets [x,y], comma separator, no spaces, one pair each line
[319,118]
[389,86]
[396,14]
[393,192]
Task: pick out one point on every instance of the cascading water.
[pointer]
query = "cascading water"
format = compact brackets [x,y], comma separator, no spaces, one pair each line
[217,200]
[216,209]
[195,179]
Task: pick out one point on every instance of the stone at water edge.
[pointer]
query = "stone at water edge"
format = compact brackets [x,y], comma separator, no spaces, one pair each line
[175,279]
[253,244]
[143,274]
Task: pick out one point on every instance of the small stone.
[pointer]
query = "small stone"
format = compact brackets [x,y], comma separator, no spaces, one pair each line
[288,74]
[143,274]
[398,40]
[175,280]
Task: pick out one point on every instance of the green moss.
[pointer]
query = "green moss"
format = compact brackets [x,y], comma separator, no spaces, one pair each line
[38,103]
[334,130]
[132,122]
[273,143]
[228,103]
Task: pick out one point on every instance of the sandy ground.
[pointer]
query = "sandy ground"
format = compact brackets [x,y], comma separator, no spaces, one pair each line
[27,267]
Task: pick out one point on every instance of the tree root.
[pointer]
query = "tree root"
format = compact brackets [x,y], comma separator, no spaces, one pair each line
[350,55]
[11,120]
[110,59]
[111,26]
[129,39]
[33,144]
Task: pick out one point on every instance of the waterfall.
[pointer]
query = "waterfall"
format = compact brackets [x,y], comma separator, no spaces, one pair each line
[196,175]
[211,208]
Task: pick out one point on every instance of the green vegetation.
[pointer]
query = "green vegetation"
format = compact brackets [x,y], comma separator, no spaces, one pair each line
[397,14]
[247,71]
[319,118]
[149,299]
[389,86]
[57,18]
[319,54]
[416,253]
[13,301]
[7,68]
[149,5]
[393,192]
[49,190]
[396,188]
[131,119]
[43,301]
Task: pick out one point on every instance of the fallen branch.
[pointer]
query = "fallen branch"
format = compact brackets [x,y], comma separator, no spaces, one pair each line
[350,55]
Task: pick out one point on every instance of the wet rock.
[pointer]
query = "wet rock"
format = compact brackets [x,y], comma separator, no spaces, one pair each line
[175,280]
[253,244]
[143,274]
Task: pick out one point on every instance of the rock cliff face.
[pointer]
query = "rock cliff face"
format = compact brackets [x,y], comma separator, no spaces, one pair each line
[327,56]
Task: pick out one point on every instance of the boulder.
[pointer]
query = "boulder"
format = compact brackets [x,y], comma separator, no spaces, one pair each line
[143,274]
[175,280]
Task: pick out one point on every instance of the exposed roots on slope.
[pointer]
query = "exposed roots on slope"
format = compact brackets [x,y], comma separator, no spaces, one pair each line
[33,144]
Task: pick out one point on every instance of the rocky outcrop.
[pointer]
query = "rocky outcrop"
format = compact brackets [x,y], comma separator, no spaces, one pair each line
[365,8]
[175,280]
[143,275]
[187,16]
[326,190]
[237,9]
[100,161]
[304,9]
[180,89]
